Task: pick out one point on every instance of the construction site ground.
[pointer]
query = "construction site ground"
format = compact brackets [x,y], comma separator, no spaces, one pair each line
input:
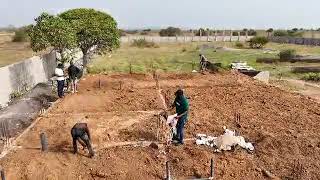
[122,110]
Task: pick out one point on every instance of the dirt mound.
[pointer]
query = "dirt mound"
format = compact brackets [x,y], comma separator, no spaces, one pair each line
[283,127]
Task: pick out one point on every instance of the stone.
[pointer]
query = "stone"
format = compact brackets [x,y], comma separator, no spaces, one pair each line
[154,145]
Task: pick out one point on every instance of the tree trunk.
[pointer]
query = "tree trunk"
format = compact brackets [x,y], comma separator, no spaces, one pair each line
[85,62]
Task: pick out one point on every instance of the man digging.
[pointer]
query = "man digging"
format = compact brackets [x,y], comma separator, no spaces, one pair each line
[80,132]
[182,107]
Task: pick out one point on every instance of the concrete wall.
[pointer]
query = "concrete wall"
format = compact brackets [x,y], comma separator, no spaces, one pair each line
[293,40]
[181,39]
[24,75]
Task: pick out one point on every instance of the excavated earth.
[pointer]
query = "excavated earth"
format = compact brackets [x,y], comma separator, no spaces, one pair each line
[119,109]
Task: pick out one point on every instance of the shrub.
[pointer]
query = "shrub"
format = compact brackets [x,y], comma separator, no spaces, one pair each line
[184,49]
[311,77]
[122,32]
[287,54]
[235,33]
[258,42]
[20,35]
[170,31]
[239,45]
[142,43]
[144,33]
[252,32]
[204,32]
[280,33]
[131,31]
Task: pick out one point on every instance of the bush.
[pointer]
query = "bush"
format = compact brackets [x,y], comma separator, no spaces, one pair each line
[287,54]
[20,35]
[170,31]
[144,33]
[311,77]
[258,42]
[289,33]
[252,32]
[280,33]
[142,43]
[122,32]
[239,45]
[204,32]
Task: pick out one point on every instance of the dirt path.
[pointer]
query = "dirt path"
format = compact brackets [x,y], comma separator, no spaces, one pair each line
[283,127]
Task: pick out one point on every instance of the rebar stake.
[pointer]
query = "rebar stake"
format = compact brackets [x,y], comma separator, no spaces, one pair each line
[2,175]
[212,169]
[44,142]
[168,176]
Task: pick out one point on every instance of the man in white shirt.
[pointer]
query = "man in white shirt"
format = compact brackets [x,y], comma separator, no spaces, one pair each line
[60,79]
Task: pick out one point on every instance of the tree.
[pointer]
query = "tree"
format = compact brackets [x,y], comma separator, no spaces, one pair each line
[170,31]
[96,31]
[258,42]
[269,31]
[21,35]
[52,31]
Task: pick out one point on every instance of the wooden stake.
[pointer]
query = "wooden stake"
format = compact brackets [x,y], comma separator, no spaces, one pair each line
[168,176]
[211,169]
[44,142]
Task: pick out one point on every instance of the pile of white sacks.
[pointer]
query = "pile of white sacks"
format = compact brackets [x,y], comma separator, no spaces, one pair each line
[224,142]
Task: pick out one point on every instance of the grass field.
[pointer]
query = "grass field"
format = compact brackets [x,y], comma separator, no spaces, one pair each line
[11,52]
[184,57]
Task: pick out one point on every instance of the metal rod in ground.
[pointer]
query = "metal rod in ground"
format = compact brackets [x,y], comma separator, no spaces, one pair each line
[212,169]
[2,175]
[168,175]
[44,142]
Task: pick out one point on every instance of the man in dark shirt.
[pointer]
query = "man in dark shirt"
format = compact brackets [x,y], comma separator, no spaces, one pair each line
[182,107]
[73,72]
[80,132]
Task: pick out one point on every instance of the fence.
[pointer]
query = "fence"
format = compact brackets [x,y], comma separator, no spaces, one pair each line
[293,40]
[184,39]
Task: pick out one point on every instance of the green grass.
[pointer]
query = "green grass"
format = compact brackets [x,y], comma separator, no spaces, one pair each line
[179,57]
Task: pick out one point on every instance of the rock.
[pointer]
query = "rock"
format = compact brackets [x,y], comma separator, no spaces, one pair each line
[258,169]
[154,145]
[176,160]
[196,173]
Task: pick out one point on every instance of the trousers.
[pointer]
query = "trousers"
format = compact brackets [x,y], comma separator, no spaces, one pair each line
[83,138]
[60,88]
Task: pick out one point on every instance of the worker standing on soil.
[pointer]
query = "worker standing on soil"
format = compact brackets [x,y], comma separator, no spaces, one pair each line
[60,79]
[73,72]
[80,132]
[182,108]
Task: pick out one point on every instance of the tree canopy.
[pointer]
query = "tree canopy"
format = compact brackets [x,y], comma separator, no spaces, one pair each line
[51,31]
[96,31]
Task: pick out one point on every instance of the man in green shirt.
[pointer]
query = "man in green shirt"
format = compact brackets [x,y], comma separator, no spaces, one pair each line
[182,107]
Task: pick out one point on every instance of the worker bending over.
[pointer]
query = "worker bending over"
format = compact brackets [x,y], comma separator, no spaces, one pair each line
[80,133]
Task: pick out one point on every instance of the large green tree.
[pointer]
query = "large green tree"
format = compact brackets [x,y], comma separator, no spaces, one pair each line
[96,31]
[52,32]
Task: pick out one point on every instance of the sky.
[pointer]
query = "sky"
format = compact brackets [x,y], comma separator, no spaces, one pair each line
[131,14]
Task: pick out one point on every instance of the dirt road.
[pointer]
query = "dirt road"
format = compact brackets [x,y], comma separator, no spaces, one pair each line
[283,126]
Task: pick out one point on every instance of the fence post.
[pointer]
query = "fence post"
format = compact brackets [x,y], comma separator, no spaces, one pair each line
[223,35]
[239,36]
[44,142]
[231,35]
[215,35]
